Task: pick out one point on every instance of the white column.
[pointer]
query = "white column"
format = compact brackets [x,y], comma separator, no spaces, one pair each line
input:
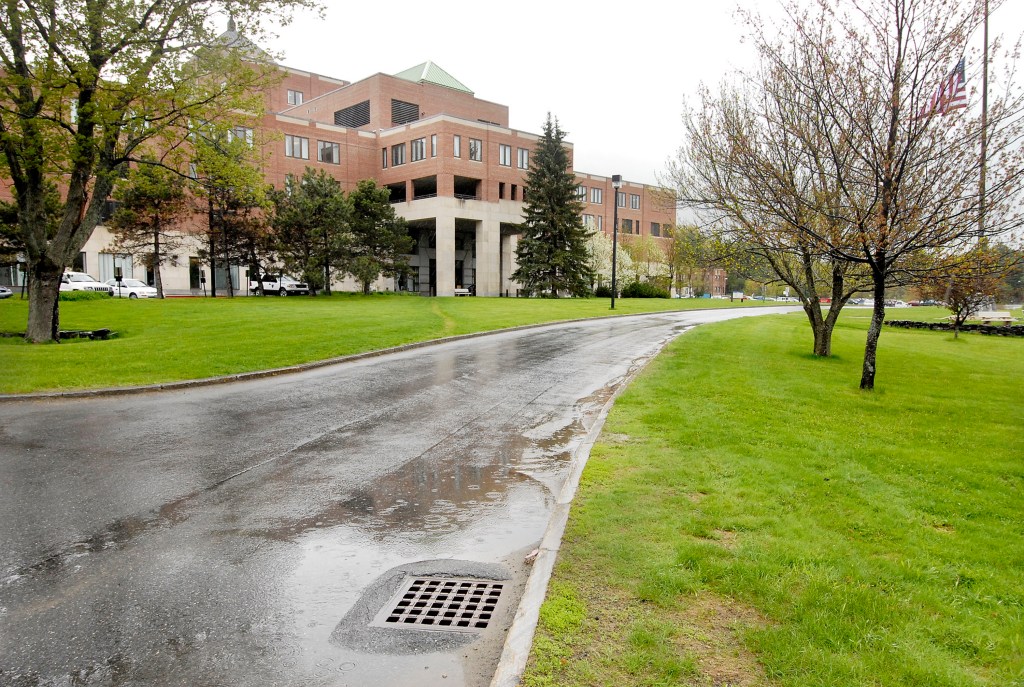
[488,258]
[506,264]
[445,256]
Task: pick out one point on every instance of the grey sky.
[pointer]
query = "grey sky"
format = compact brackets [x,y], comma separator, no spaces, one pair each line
[614,73]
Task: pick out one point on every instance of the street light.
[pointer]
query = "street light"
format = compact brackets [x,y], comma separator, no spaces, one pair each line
[616,184]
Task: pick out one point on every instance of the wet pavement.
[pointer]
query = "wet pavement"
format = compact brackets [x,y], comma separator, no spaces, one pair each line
[246,534]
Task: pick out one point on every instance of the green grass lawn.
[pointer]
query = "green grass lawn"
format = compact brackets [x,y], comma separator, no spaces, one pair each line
[749,517]
[191,338]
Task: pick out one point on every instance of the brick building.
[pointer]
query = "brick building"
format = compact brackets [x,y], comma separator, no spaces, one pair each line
[455,170]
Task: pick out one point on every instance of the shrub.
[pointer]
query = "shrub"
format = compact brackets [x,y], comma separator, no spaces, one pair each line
[83,295]
[603,291]
[643,290]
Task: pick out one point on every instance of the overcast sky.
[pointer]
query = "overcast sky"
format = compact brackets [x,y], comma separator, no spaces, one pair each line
[615,74]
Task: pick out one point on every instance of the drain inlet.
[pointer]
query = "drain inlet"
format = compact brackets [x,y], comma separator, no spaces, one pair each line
[442,604]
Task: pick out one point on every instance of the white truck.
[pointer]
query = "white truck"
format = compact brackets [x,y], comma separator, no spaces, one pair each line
[282,285]
[80,281]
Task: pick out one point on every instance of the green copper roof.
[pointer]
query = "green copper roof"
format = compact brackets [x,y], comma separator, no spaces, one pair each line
[428,72]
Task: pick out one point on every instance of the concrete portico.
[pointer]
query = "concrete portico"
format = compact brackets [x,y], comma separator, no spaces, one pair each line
[472,233]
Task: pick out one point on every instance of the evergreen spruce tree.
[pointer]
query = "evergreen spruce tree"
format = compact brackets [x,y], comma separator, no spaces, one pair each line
[552,252]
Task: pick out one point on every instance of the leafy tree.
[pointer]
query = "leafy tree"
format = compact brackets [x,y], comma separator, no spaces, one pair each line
[380,239]
[226,175]
[552,252]
[153,202]
[966,283]
[648,259]
[85,86]
[599,257]
[311,227]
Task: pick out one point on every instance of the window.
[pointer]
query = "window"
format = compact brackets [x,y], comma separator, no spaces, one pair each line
[634,201]
[194,272]
[328,152]
[620,199]
[588,221]
[627,226]
[501,190]
[524,158]
[581,192]
[596,196]
[457,146]
[514,189]
[655,229]
[384,158]
[504,155]
[294,97]
[398,154]
[600,222]
[296,146]
[476,149]
[240,133]
[418,149]
[433,145]
[111,262]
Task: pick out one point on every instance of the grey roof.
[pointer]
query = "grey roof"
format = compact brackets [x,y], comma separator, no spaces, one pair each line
[428,72]
[236,41]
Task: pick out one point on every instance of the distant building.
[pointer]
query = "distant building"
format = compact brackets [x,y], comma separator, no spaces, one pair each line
[455,169]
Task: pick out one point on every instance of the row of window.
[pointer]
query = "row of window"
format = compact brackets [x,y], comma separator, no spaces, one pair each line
[626,225]
[597,197]
[417,148]
[298,147]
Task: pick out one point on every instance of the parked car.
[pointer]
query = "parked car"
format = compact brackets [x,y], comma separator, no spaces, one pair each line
[80,281]
[282,286]
[132,288]
[5,292]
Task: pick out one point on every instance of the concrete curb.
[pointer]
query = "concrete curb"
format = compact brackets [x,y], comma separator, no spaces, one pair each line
[519,640]
[291,369]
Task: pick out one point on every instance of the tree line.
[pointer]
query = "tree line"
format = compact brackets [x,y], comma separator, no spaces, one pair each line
[310,228]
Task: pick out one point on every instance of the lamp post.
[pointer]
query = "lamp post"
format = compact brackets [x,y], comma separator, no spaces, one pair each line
[616,184]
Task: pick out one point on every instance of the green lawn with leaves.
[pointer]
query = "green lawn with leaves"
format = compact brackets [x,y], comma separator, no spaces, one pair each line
[192,338]
[749,517]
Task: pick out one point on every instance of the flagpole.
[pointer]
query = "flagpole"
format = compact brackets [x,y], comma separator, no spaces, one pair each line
[984,131]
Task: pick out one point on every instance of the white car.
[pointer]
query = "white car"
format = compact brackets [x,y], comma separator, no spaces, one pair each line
[80,281]
[5,292]
[131,288]
[283,286]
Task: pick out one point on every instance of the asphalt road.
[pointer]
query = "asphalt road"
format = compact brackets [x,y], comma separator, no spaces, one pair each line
[248,533]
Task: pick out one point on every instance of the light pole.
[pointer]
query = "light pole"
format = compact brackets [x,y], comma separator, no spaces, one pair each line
[616,185]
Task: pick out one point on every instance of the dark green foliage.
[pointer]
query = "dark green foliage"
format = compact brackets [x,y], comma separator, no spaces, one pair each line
[603,291]
[643,290]
[152,204]
[552,252]
[380,239]
[83,296]
[311,231]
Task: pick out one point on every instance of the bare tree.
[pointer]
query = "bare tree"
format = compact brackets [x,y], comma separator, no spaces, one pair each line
[839,155]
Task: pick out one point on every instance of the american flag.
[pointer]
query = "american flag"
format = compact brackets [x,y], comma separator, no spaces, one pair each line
[950,94]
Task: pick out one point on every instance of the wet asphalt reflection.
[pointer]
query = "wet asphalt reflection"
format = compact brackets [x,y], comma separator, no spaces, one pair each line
[218,535]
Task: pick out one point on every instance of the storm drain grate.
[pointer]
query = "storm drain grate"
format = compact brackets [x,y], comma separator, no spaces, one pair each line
[443,603]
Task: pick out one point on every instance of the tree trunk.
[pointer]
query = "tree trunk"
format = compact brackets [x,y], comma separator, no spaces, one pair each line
[867,377]
[157,282]
[43,312]
[366,288]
